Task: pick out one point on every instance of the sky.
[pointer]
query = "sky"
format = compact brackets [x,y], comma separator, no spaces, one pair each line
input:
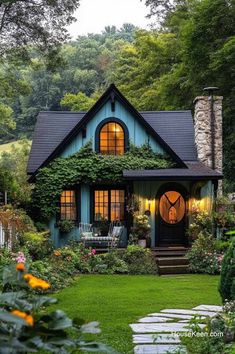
[93,15]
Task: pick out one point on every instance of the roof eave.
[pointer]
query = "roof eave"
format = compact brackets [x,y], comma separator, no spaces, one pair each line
[172,178]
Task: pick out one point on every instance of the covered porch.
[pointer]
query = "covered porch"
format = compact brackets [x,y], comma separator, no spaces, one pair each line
[170,196]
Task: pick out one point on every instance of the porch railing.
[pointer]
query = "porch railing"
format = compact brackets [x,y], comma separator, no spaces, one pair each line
[6,237]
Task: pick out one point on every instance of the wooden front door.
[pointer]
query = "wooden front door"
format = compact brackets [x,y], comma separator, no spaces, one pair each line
[171,217]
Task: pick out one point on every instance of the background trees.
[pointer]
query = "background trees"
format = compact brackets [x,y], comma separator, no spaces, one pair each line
[193,46]
[39,23]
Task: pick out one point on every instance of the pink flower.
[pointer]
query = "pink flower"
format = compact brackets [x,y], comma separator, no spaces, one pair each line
[92,253]
[20,258]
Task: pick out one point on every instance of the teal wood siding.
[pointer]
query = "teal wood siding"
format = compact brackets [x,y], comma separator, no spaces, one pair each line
[85,204]
[59,239]
[137,133]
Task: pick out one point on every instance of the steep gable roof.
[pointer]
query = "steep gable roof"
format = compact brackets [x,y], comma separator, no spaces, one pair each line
[54,130]
[50,129]
[177,129]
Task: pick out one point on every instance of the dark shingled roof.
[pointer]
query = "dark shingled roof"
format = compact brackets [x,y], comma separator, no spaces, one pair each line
[51,128]
[196,170]
[174,127]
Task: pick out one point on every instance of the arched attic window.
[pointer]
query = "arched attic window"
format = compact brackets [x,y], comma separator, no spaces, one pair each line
[112,138]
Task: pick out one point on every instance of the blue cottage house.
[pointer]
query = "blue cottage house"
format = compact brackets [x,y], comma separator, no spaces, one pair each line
[167,195]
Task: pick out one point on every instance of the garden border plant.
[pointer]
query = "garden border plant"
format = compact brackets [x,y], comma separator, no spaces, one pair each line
[26,327]
[86,166]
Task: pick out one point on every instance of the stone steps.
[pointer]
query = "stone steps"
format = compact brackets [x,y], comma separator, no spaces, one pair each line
[173,269]
[153,336]
[171,260]
[169,253]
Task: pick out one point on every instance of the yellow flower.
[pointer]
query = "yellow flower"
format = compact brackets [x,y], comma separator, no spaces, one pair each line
[20,266]
[36,283]
[28,318]
[27,277]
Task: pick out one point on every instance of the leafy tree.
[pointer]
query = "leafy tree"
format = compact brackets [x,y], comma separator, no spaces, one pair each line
[42,23]
[168,67]
[85,69]
[77,102]
[13,176]
[12,84]
[6,120]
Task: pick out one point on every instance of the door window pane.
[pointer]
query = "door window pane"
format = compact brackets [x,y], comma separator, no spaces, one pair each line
[172,207]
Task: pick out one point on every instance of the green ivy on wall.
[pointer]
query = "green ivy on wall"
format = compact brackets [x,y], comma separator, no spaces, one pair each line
[86,166]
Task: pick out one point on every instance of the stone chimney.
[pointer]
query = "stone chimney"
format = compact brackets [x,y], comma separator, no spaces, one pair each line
[208,129]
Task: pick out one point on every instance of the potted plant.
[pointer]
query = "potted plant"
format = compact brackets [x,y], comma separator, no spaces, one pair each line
[65,226]
[141,230]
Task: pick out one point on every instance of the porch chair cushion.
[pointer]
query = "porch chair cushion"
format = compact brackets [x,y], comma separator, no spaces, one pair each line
[98,238]
[117,231]
[87,235]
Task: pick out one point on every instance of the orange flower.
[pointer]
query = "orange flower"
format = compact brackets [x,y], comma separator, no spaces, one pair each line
[28,318]
[20,266]
[36,283]
[57,253]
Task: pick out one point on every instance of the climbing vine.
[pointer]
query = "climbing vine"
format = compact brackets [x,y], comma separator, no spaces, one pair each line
[86,166]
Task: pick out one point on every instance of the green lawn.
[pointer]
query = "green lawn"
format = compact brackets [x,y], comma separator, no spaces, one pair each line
[116,301]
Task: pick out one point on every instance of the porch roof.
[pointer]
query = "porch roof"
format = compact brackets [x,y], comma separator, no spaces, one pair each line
[195,170]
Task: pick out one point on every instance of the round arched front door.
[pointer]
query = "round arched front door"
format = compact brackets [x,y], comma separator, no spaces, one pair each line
[171,217]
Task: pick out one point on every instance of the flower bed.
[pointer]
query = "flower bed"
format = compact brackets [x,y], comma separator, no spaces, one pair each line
[75,259]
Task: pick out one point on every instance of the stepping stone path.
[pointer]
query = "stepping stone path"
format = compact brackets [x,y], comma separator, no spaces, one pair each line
[156,333]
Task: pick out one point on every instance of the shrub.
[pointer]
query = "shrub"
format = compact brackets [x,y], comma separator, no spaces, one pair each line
[222,245]
[37,244]
[202,222]
[114,264]
[203,256]
[59,273]
[5,257]
[139,260]
[223,322]
[66,226]
[227,279]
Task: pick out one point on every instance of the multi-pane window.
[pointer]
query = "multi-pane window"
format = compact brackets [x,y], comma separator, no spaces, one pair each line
[68,205]
[117,203]
[112,139]
[101,205]
[109,205]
